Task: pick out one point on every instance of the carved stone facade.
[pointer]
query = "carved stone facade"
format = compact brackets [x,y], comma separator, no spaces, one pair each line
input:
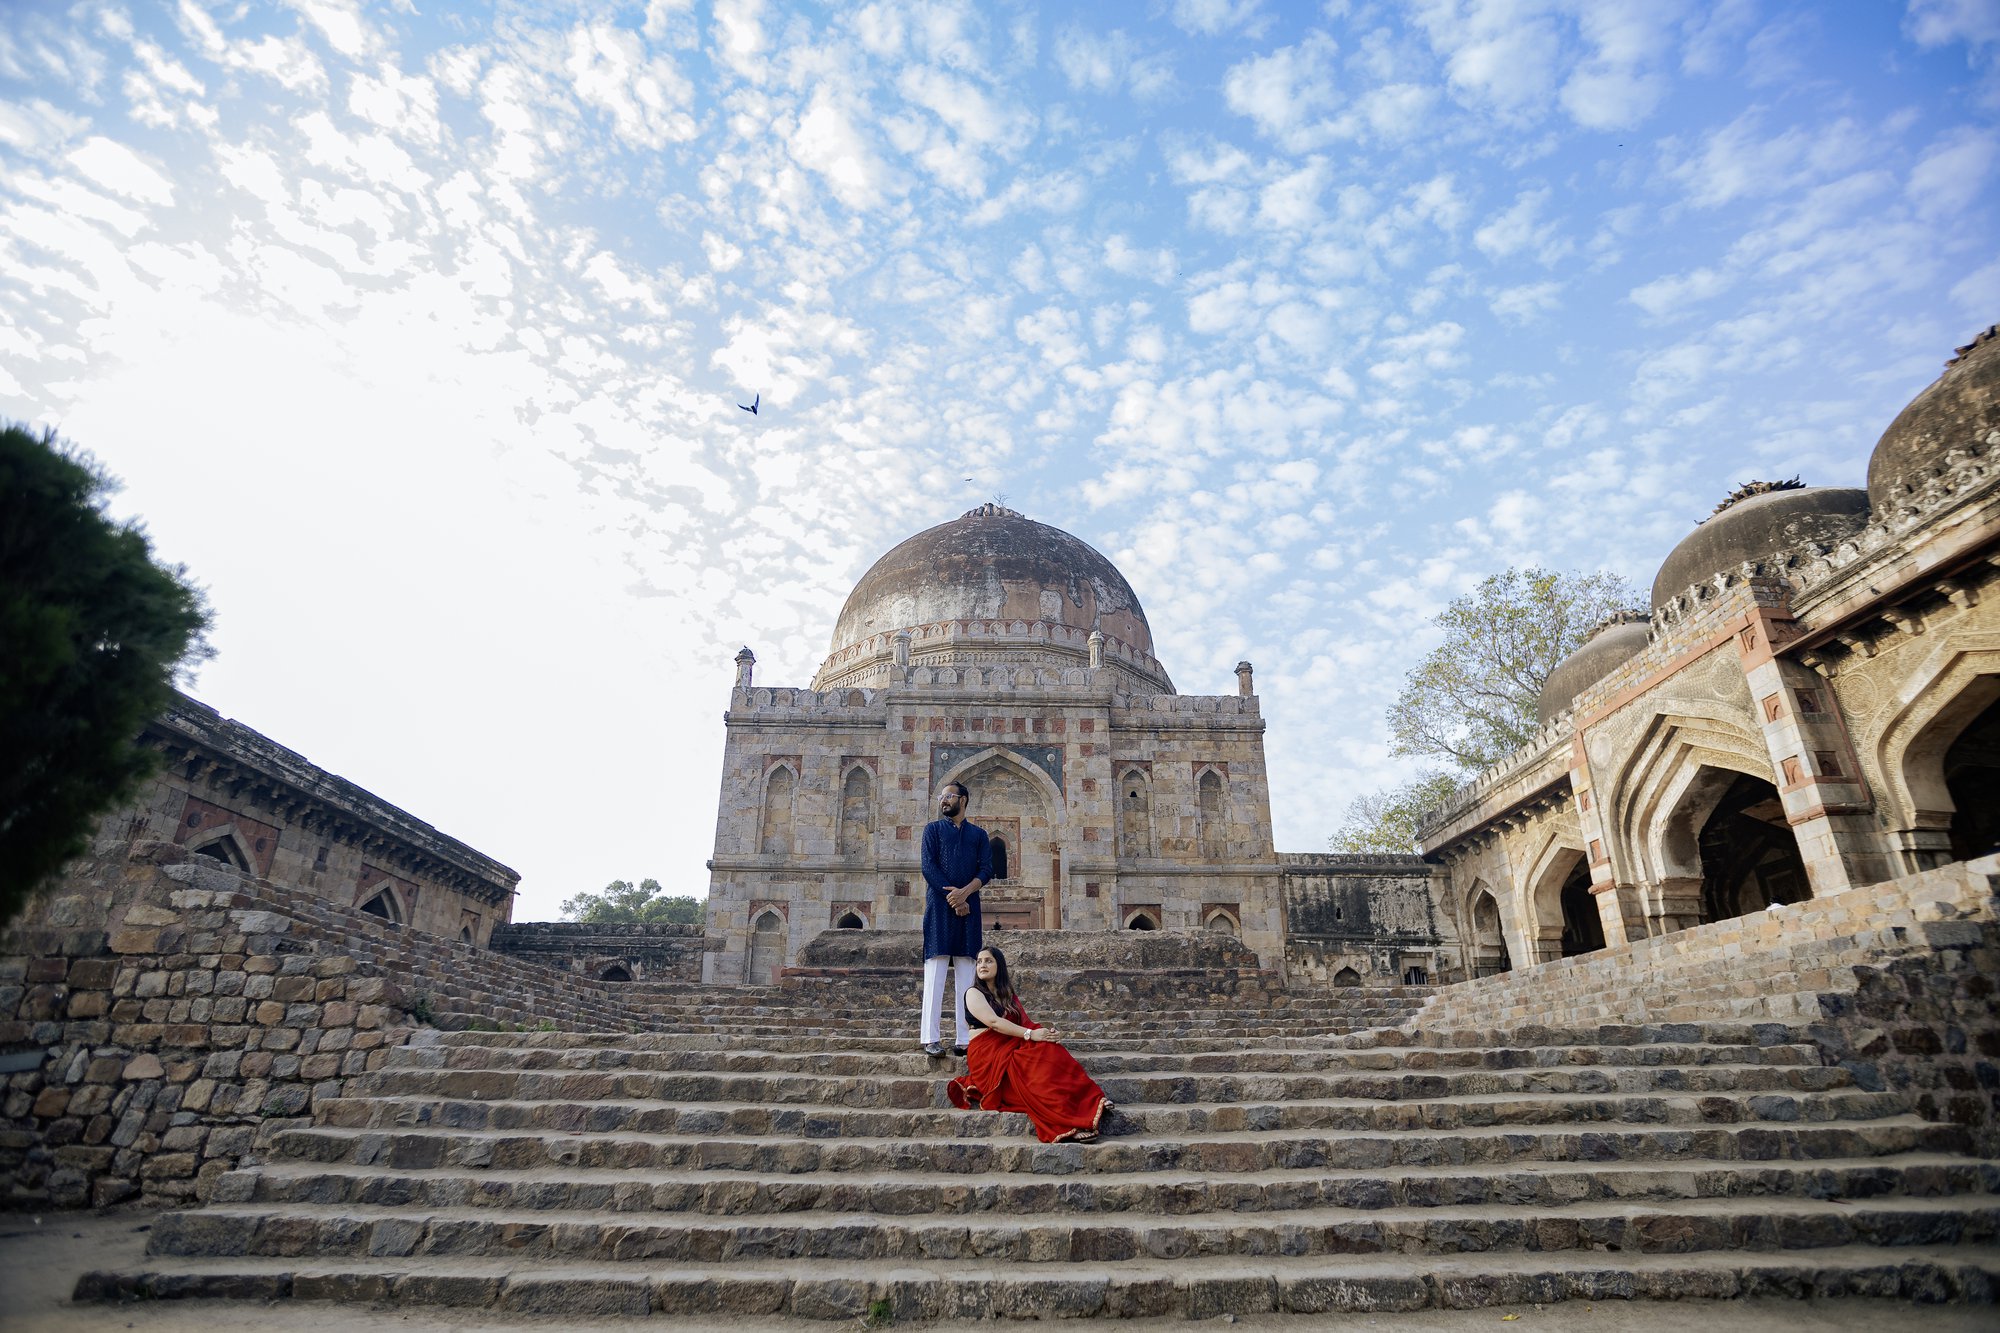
[1815,705]
[1362,920]
[1007,655]
[228,793]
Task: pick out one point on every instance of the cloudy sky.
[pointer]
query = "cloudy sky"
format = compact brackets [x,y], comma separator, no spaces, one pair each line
[417,333]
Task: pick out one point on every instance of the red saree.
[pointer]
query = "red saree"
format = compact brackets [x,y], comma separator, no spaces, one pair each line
[1037,1078]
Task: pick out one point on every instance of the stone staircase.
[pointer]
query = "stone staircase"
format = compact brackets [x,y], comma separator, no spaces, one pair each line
[787,1152]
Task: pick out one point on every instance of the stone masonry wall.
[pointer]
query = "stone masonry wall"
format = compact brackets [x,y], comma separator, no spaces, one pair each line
[1377,915]
[156,1009]
[650,951]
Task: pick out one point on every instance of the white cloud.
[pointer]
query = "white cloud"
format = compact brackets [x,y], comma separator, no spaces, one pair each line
[1211,17]
[1673,294]
[1286,92]
[1953,172]
[1522,227]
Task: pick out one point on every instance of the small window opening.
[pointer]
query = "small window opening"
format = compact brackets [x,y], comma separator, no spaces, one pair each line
[849,921]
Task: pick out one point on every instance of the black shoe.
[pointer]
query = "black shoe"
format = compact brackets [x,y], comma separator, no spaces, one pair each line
[958,1051]
[934,1049]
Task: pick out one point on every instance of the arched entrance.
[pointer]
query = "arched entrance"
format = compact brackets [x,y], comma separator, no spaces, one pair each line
[767,950]
[1972,776]
[1749,858]
[1010,803]
[1489,943]
[1582,927]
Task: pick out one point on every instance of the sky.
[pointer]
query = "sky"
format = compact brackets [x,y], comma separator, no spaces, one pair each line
[416,332]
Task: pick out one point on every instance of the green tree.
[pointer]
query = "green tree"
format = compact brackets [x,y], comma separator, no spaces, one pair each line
[1471,701]
[625,903]
[1386,821]
[1474,699]
[95,632]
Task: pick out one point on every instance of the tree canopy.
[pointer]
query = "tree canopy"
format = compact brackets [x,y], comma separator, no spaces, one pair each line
[95,632]
[1386,821]
[1473,699]
[625,903]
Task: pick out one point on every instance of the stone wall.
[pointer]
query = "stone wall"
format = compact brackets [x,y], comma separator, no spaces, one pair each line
[157,1007]
[1377,917]
[1897,979]
[653,951]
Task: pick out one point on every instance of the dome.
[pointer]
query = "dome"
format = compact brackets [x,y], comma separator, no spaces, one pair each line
[1602,653]
[992,587]
[1960,410]
[1758,528]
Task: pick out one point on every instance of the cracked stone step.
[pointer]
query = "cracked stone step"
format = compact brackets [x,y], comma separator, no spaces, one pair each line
[427,1147]
[1678,1226]
[927,1090]
[902,1061]
[610,1115]
[1178,1193]
[1187,1289]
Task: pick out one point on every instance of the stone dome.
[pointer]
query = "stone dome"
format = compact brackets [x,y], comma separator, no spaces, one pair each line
[1960,410]
[1756,529]
[1614,643]
[992,587]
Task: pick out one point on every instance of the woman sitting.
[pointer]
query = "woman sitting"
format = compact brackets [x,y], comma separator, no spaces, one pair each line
[1014,1064]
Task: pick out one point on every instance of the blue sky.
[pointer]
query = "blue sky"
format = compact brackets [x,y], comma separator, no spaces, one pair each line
[417,333]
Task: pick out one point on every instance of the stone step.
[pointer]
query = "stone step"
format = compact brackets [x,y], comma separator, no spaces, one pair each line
[1649,1226]
[918,1091]
[693,1055]
[392,1150]
[616,1115]
[624,1189]
[1184,1289]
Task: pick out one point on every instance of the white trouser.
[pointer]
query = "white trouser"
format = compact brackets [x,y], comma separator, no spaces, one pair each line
[934,969]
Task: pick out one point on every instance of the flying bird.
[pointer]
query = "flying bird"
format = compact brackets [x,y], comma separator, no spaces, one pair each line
[752,409]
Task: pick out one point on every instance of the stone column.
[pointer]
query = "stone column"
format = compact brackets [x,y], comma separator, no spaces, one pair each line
[1818,776]
[1096,649]
[899,652]
[745,661]
[1244,684]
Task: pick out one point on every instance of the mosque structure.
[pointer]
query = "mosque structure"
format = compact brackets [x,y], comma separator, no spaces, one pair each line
[1809,706]
[1010,656]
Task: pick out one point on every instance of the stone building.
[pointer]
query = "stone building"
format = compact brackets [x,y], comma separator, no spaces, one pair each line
[228,793]
[1008,655]
[1809,706]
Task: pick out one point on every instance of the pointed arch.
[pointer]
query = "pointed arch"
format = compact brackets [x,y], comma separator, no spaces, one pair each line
[1212,807]
[1561,925]
[382,900]
[857,811]
[767,949]
[1939,702]
[1142,918]
[224,846]
[775,829]
[1346,977]
[1649,806]
[963,770]
[1135,813]
[1487,942]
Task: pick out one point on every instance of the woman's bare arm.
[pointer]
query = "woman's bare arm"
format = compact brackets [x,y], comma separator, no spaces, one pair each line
[982,1009]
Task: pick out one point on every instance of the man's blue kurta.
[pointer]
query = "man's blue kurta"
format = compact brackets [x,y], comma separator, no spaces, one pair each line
[954,854]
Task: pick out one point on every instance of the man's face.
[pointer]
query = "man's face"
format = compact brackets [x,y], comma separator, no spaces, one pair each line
[950,802]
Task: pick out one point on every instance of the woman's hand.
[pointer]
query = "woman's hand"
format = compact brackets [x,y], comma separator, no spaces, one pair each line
[1041,1034]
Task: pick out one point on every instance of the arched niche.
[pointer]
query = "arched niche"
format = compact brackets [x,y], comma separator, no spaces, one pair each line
[849,921]
[775,829]
[1212,806]
[1223,921]
[1346,977]
[1488,942]
[1142,918]
[1135,813]
[767,949]
[857,811]
[614,972]
[384,903]
[1566,921]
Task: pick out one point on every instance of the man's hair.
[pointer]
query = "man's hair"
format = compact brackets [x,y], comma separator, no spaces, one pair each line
[964,791]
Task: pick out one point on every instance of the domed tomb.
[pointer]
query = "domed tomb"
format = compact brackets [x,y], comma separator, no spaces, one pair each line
[1757,526]
[1613,644]
[1960,410]
[992,588]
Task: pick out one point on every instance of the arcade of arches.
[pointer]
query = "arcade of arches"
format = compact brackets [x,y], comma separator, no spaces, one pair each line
[1810,704]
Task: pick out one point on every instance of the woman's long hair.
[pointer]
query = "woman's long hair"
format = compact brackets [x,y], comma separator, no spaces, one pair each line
[999,994]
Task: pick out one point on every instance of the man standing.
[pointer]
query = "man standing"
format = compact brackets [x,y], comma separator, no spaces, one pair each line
[958,862]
